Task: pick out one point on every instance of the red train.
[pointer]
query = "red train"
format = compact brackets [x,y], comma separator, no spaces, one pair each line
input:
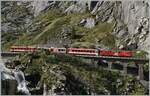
[74,51]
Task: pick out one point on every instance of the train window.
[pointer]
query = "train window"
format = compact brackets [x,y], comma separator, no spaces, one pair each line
[61,49]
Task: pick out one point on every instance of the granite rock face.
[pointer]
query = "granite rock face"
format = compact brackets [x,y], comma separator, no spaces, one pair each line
[90,24]
[131,17]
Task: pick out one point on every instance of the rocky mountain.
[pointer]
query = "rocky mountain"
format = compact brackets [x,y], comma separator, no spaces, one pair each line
[89,24]
[105,24]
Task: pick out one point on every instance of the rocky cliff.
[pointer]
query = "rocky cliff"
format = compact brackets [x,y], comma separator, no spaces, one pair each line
[106,24]
[91,24]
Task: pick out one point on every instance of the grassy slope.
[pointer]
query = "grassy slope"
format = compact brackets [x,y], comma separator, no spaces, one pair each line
[51,23]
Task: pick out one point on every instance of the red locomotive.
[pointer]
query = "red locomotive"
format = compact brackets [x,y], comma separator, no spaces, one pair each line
[112,53]
[74,51]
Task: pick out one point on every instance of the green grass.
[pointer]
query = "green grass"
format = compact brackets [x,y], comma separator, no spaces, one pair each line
[101,32]
[51,31]
[51,24]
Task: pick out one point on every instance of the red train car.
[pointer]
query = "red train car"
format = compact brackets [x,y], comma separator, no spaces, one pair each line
[22,49]
[82,51]
[57,50]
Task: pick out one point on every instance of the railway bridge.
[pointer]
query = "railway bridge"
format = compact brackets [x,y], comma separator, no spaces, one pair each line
[124,61]
[9,54]
[110,60]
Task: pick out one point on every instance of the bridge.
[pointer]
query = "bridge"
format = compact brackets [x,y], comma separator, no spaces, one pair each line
[110,60]
[123,60]
[143,60]
[9,54]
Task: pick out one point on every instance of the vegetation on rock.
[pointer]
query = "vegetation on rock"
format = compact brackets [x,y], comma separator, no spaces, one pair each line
[58,24]
[58,70]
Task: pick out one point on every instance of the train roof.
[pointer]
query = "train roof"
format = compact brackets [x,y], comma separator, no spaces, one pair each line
[17,46]
[80,49]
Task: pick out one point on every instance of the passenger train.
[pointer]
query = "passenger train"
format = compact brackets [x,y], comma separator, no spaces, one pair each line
[74,51]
